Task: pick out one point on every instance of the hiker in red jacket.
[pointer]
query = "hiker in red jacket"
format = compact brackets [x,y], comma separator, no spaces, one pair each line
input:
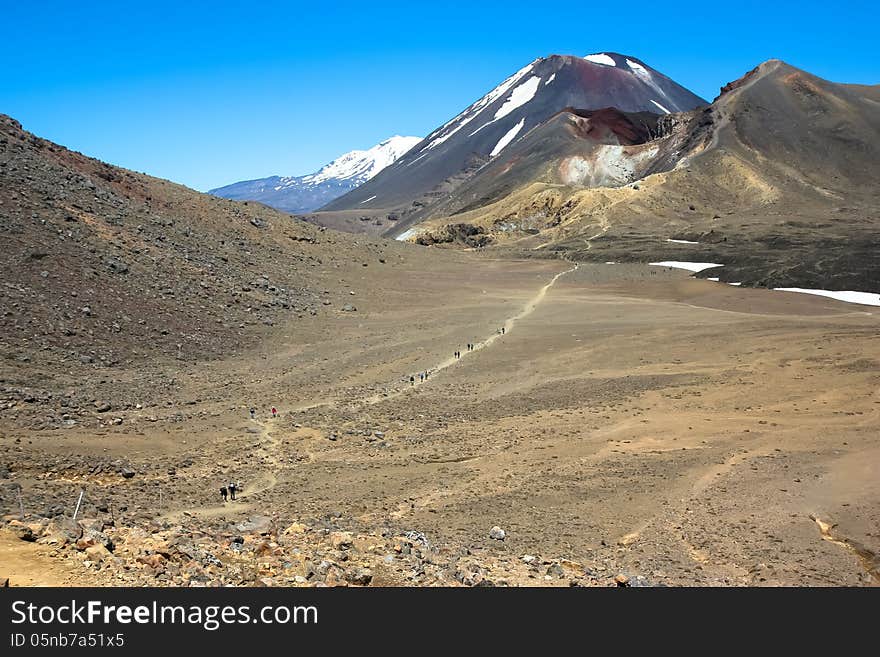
[274,411]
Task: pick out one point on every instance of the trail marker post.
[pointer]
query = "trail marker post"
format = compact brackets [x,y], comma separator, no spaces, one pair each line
[78,502]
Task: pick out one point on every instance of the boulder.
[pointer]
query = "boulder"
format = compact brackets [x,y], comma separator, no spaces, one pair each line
[497,533]
[555,570]
[359,576]
[255,525]
[341,540]
[97,553]
[65,529]
[296,528]
[21,531]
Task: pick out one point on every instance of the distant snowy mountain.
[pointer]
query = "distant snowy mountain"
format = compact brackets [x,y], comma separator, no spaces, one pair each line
[300,194]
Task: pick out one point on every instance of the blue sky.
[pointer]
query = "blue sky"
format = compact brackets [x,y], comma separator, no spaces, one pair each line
[210,93]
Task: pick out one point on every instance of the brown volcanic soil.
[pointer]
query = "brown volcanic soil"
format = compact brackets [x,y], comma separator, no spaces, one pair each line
[634,420]
[630,420]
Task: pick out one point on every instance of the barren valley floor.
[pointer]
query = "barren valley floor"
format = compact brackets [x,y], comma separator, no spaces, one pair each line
[630,420]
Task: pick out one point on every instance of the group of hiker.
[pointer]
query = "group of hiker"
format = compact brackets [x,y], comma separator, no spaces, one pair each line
[229,490]
[423,376]
[455,354]
[254,412]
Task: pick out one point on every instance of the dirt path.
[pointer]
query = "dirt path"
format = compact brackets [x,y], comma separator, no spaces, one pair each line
[266,479]
[29,564]
[509,324]
[267,452]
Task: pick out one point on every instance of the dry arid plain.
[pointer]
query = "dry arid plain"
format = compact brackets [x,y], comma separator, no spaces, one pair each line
[632,425]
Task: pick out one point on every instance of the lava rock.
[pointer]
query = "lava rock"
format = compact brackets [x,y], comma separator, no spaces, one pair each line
[497,534]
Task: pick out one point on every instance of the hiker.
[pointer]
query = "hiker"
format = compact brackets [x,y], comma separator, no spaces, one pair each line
[421,377]
[253,412]
[412,380]
[426,374]
[274,411]
[232,490]
[223,493]
[502,330]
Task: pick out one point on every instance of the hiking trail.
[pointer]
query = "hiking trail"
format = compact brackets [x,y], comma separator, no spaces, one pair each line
[267,453]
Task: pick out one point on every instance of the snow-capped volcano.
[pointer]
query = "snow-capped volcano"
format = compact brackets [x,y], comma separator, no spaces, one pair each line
[528,98]
[360,166]
[299,194]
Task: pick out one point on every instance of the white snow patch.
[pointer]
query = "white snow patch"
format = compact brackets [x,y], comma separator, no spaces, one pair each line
[864,298]
[550,79]
[645,76]
[661,107]
[368,199]
[690,266]
[519,97]
[610,262]
[682,242]
[737,284]
[713,279]
[637,68]
[506,139]
[411,162]
[600,58]
[481,127]
[405,235]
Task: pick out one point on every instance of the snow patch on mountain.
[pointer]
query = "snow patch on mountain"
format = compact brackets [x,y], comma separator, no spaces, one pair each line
[636,67]
[600,58]
[645,76]
[661,107]
[690,266]
[518,97]
[864,298]
[507,138]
